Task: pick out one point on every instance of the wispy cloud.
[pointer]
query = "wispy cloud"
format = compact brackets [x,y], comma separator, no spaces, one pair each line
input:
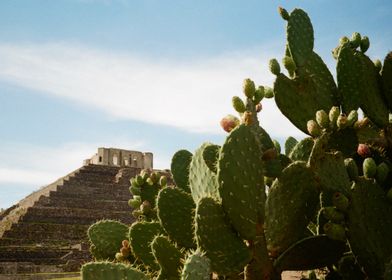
[190,95]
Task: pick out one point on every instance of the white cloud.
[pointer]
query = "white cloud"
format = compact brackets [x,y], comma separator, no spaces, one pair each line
[193,96]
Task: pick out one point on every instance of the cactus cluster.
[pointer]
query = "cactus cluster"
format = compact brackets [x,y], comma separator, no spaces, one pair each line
[248,209]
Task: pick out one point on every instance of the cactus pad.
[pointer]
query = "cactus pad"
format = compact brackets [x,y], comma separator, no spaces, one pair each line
[227,252]
[369,225]
[176,213]
[291,203]
[203,182]
[210,156]
[110,271]
[141,235]
[180,169]
[106,237]
[311,253]
[301,151]
[241,180]
[196,267]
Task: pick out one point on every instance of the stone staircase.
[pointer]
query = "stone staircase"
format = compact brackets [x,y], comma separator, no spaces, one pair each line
[46,232]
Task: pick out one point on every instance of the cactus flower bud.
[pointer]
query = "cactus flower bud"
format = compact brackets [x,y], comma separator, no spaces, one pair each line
[274,66]
[125,252]
[352,117]
[365,43]
[268,92]
[342,122]
[340,201]
[259,107]
[335,231]
[283,13]
[150,182]
[331,213]
[289,64]
[344,40]
[369,168]
[313,128]
[119,257]
[355,40]
[163,181]
[238,104]
[229,122]
[134,203]
[351,168]
[249,88]
[382,172]
[322,119]
[333,115]
[378,65]
[259,94]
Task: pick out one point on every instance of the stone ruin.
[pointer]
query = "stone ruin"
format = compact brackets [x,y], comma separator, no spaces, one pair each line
[46,231]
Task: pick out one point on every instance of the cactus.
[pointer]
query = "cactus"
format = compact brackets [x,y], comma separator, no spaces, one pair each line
[105,237]
[329,198]
[111,271]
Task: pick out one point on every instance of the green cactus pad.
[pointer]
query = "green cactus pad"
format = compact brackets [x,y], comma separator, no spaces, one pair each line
[210,156]
[110,271]
[311,253]
[386,78]
[241,180]
[349,79]
[180,169]
[168,258]
[141,234]
[291,203]
[105,237]
[309,93]
[176,214]
[369,224]
[196,267]
[300,36]
[301,151]
[372,102]
[227,252]
[289,145]
[203,182]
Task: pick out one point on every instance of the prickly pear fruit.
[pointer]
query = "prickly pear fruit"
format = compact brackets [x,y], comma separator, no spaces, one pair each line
[134,203]
[268,92]
[322,119]
[344,40]
[229,122]
[342,122]
[289,64]
[259,94]
[313,128]
[335,231]
[382,172]
[238,104]
[274,66]
[355,40]
[369,168]
[331,213]
[363,150]
[249,88]
[259,107]
[333,115]
[365,43]
[352,117]
[340,201]
[145,207]
[351,168]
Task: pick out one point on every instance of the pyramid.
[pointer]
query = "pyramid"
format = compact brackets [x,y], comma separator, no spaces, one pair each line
[46,231]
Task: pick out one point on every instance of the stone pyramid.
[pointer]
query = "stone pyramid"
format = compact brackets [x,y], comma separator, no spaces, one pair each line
[46,231]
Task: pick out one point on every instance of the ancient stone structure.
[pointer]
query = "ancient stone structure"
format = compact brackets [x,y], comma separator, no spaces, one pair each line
[46,231]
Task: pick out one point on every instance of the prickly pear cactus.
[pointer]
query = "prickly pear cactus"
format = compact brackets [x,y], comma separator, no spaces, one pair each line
[111,271]
[196,267]
[105,237]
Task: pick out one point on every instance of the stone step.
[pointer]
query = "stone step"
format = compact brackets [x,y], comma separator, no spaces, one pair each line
[37,255]
[76,202]
[41,232]
[95,184]
[74,215]
[124,196]
[83,188]
[33,242]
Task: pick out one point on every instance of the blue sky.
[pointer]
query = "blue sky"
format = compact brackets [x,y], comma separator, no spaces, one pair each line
[143,75]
